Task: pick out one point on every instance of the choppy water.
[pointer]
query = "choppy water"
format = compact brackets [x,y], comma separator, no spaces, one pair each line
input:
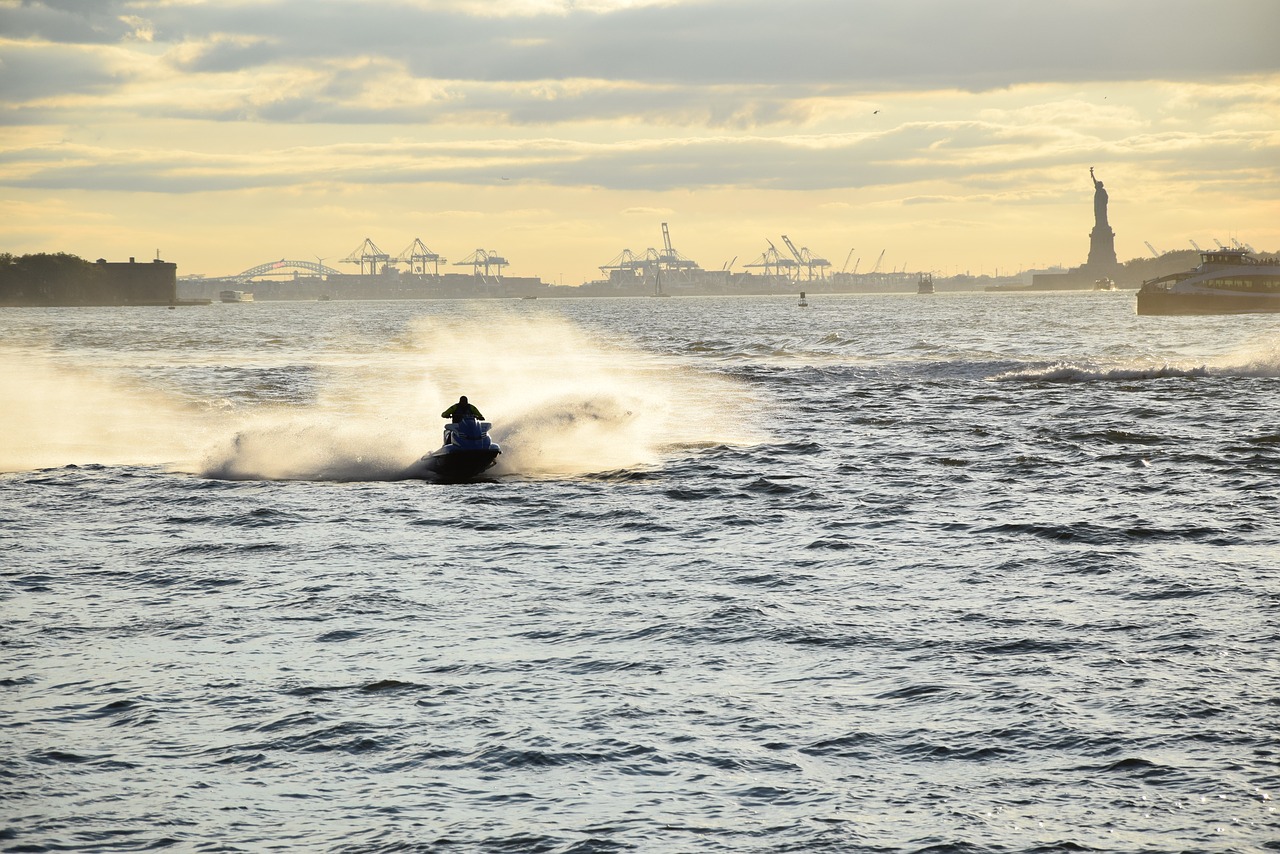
[961,573]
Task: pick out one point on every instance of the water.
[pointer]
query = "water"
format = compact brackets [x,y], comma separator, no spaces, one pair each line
[957,573]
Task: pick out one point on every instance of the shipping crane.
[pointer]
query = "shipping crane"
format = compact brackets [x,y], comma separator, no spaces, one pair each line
[1154,253]
[368,253]
[805,258]
[625,260]
[418,256]
[876,268]
[671,260]
[1196,245]
[795,253]
[480,259]
[773,262]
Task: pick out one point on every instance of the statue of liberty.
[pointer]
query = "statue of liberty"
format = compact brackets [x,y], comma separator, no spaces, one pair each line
[1099,202]
[1102,246]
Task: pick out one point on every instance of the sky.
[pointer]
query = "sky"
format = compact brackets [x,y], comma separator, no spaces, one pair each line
[945,135]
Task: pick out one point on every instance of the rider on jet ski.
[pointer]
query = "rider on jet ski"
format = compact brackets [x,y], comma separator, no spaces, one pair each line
[459,411]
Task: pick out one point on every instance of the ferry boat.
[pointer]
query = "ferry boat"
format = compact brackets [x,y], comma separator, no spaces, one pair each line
[235,296]
[1228,281]
[925,285]
[1104,284]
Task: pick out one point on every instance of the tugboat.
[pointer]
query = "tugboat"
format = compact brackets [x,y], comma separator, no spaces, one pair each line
[1228,281]
[925,285]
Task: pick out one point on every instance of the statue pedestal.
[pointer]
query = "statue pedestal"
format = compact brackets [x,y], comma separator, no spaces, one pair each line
[1102,249]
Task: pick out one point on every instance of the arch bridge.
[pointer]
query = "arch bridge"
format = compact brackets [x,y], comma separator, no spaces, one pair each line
[285,267]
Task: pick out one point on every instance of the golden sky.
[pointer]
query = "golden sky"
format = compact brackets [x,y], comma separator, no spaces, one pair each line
[951,135]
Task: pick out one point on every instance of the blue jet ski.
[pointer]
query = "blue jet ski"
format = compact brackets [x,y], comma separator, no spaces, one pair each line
[467,452]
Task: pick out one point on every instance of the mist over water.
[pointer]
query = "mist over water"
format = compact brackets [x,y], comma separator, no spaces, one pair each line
[58,413]
[963,573]
[566,402]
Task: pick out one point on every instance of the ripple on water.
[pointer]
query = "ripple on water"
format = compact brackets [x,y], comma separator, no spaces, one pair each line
[968,576]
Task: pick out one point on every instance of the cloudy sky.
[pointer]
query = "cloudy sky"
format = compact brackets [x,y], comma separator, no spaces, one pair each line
[953,135]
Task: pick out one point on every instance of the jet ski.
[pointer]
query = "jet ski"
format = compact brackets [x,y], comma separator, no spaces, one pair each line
[467,452]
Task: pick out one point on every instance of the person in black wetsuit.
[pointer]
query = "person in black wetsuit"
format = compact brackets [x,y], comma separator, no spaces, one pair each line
[461,410]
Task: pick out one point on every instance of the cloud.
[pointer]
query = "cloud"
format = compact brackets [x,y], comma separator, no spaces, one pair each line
[68,21]
[881,44]
[647,212]
[873,44]
[969,157]
[33,72]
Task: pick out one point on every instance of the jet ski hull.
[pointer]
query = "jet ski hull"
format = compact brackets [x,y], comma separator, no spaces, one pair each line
[456,465]
[467,452]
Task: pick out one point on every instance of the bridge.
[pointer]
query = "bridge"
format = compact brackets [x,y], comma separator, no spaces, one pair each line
[285,267]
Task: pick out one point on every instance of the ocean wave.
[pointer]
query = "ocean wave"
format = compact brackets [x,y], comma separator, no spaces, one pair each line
[1246,362]
[1065,372]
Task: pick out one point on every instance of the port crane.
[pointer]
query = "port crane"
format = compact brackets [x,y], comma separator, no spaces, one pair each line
[773,262]
[418,256]
[1152,249]
[368,253]
[846,261]
[480,259]
[805,258]
[625,260]
[670,260]
[876,268]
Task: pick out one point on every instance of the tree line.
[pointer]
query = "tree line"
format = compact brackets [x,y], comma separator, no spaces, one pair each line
[45,278]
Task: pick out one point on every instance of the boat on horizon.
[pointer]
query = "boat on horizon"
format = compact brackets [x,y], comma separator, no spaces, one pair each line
[235,296]
[1227,281]
[925,285]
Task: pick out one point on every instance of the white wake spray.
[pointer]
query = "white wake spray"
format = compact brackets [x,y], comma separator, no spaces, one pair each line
[1262,360]
[56,414]
[562,403]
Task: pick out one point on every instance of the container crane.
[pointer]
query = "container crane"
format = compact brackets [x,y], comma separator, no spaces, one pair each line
[773,262]
[1152,249]
[418,256]
[482,259]
[805,258]
[876,268]
[368,253]
[671,260]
